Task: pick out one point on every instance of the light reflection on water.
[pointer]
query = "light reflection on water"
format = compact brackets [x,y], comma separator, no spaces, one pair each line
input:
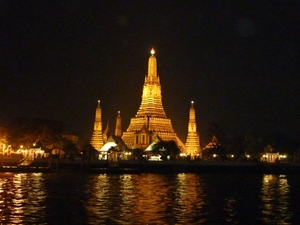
[71,198]
[275,197]
[22,198]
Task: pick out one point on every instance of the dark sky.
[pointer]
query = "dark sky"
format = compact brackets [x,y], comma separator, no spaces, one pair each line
[238,60]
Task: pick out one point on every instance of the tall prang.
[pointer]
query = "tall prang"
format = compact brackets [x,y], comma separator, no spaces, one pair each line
[151,119]
[193,140]
[97,138]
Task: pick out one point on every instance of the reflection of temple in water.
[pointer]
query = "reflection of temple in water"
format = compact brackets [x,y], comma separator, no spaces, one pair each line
[274,187]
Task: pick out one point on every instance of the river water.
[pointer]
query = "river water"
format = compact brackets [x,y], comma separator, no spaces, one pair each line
[184,198]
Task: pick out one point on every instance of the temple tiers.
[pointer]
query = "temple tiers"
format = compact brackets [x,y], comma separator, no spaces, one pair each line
[97,137]
[151,119]
[193,140]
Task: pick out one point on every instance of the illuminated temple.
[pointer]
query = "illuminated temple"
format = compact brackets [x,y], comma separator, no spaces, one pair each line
[97,137]
[151,119]
[193,140]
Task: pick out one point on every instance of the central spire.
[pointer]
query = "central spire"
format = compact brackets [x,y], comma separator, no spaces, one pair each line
[150,121]
[151,98]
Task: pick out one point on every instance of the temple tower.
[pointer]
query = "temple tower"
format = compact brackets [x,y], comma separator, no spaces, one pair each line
[97,139]
[193,140]
[118,130]
[151,119]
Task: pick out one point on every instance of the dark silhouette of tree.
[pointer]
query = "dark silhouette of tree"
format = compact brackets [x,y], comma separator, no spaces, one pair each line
[137,153]
[254,145]
[283,143]
[27,131]
[235,146]
[89,151]
[166,148]
[71,150]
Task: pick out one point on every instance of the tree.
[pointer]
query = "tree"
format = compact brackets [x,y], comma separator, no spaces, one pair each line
[89,151]
[235,146]
[23,131]
[137,153]
[166,148]
[254,145]
[71,150]
[27,131]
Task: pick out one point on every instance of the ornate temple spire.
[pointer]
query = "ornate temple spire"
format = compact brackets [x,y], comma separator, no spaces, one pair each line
[150,120]
[193,140]
[97,140]
[118,131]
[192,119]
[151,98]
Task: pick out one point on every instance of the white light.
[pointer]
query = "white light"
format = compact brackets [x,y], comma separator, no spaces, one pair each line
[152,51]
[155,158]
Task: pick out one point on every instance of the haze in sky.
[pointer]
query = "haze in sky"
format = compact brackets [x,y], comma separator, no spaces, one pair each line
[237,60]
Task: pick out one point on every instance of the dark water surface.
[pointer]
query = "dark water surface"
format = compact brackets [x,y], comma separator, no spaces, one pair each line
[73,198]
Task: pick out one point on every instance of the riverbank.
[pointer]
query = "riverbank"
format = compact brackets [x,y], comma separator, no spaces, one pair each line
[225,167]
[133,166]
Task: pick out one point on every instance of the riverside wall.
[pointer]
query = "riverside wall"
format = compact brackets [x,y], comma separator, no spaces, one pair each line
[134,166]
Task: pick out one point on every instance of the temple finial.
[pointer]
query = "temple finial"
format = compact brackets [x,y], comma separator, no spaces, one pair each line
[98,103]
[152,51]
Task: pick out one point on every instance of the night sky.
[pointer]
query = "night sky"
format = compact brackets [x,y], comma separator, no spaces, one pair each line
[238,60]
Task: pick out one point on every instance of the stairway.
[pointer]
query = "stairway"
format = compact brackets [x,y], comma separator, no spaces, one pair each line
[25,162]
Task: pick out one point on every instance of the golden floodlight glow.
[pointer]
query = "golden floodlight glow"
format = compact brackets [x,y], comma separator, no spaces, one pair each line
[150,122]
[97,138]
[152,51]
[192,143]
